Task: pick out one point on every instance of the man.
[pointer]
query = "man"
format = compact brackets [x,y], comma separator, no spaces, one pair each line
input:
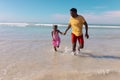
[76,22]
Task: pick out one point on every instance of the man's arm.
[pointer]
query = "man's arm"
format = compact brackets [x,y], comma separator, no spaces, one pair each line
[69,26]
[86,28]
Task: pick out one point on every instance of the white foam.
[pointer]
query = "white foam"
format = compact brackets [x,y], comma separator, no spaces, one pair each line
[62,25]
[5,70]
[66,49]
[43,24]
[98,26]
[49,25]
[103,72]
[28,24]
[14,24]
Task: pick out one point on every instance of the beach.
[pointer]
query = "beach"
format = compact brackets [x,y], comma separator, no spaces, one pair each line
[26,53]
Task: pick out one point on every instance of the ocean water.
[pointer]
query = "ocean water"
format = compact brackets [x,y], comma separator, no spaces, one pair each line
[26,53]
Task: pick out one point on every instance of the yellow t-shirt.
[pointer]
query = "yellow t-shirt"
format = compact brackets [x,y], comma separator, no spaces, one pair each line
[77,24]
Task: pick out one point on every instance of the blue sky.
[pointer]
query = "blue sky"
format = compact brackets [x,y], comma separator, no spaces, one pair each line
[57,11]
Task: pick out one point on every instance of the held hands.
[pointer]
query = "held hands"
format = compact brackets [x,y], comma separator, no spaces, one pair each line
[63,33]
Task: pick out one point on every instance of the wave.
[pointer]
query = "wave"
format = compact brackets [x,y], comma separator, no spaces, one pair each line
[14,24]
[101,26]
[28,24]
[49,25]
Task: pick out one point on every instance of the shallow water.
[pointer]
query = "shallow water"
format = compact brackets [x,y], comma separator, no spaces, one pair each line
[26,53]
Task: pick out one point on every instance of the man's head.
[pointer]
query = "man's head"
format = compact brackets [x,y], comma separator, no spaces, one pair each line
[73,12]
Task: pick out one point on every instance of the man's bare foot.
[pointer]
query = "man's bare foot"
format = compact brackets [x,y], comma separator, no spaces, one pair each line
[73,53]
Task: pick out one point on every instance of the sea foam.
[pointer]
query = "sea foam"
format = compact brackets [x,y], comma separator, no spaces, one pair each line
[51,24]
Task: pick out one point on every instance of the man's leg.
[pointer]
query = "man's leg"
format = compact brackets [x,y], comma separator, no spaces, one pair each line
[73,47]
[74,40]
[81,42]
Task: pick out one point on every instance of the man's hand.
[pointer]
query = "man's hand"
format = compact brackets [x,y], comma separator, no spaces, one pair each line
[87,36]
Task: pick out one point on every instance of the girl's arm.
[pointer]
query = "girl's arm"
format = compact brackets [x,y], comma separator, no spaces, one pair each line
[60,32]
[52,34]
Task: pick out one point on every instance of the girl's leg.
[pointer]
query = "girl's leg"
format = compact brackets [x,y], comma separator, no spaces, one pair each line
[55,48]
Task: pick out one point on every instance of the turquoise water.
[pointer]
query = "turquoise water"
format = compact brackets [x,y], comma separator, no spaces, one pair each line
[26,53]
[44,32]
[107,35]
[24,32]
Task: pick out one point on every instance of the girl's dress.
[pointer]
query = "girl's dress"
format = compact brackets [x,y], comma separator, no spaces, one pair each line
[56,39]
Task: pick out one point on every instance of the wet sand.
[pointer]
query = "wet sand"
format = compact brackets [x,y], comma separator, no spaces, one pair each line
[30,60]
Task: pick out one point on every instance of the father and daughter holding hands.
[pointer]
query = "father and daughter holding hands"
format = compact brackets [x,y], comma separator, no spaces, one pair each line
[76,22]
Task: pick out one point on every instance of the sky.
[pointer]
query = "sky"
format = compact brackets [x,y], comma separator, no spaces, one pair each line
[58,11]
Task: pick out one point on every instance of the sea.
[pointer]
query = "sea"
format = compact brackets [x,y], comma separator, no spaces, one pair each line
[26,53]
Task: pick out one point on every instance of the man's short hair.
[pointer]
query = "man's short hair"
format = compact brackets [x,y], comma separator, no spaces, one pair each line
[73,10]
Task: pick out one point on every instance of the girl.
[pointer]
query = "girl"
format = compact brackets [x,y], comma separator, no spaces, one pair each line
[55,37]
